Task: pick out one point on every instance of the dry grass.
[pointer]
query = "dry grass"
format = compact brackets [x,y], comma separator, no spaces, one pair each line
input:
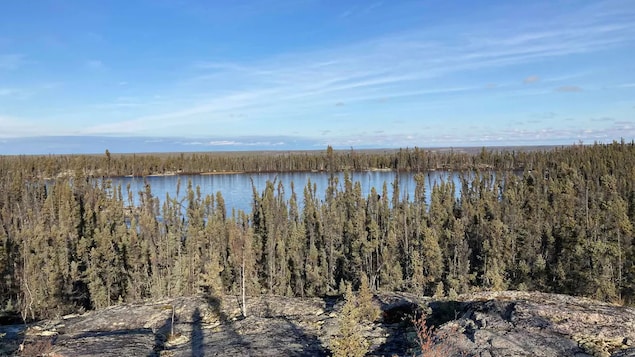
[433,343]
[36,348]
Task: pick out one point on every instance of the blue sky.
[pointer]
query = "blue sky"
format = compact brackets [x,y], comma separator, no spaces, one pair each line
[172,75]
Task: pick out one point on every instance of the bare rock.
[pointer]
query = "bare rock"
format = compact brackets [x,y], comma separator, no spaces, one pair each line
[539,324]
[483,324]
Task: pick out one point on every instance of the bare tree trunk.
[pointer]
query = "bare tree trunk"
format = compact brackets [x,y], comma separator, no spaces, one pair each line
[172,324]
[242,276]
[619,264]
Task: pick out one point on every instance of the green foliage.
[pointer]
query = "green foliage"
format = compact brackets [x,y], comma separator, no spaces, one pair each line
[350,342]
[558,221]
[368,311]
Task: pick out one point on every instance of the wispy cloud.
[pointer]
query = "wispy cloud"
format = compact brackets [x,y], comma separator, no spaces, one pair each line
[17,127]
[422,67]
[399,65]
[11,61]
[545,115]
[360,10]
[8,92]
[19,93]
[603,119]
[94,64]
[568,89]
[531,79]
[237,143]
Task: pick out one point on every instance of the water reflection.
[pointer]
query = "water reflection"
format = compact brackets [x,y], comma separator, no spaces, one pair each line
[237,188]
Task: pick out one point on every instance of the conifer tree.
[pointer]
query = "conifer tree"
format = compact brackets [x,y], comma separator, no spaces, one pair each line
[432,260]
[367,309]
[349,342]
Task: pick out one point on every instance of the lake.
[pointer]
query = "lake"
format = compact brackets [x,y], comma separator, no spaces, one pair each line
[237,188]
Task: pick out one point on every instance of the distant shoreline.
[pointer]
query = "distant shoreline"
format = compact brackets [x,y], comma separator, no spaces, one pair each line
[221,173]
[205,173]
[212,173]
[440,149]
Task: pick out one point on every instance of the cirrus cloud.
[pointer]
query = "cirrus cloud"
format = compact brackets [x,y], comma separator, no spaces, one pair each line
[531,79]
[569,89]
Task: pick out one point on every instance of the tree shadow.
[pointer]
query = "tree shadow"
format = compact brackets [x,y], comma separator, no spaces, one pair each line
[313,346]
[12,336]
[123,342]
[216,305]
[160,337]
[197,335]
[225,323]
[266,331]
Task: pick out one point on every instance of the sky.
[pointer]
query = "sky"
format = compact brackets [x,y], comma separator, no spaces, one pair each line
[175,75]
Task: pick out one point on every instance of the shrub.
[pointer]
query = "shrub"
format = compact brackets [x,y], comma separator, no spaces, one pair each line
[434,343]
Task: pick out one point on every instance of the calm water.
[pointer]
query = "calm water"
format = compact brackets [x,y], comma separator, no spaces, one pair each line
[237,188]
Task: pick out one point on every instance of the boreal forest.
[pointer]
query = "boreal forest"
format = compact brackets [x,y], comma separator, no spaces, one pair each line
[554,220]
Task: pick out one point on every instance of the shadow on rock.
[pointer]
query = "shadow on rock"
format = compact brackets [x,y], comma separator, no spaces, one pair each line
[160,337]
[330,302]
[397,321]
[226,324]
[443,311]
[197,334]
[312,345]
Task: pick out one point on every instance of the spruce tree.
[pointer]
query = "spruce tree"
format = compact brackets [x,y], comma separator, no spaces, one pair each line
[349,341]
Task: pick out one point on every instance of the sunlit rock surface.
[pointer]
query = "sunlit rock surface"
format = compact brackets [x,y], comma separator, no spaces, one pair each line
[479,324]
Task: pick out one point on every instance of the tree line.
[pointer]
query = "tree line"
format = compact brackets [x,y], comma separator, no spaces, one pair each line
[110,165]
[564,224]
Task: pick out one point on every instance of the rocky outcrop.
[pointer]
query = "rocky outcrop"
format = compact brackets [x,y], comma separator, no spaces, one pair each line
[538,324]
[513,323]
[480,324]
